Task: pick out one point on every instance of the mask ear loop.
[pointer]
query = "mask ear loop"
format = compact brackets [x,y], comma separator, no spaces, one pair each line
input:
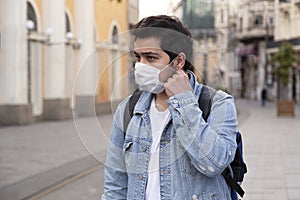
[167,72]
[169,65]
[174,56]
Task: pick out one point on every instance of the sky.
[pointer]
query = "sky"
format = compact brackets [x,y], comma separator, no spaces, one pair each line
[155,7]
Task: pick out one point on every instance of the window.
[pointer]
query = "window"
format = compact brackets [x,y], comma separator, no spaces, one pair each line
[258,20]
[68,26]
[271,20]
[241,24]
[31,15]
[115,37]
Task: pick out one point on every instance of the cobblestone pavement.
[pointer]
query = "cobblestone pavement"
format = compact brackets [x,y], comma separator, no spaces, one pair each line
[35,156]
[272,152]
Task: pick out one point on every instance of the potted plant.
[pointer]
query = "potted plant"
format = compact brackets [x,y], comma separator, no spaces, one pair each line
[284,60]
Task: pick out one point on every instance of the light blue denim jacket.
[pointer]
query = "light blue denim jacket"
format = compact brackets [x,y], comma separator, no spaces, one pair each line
[193,153]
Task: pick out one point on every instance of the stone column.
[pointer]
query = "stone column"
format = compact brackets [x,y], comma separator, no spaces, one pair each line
[56,103]
[87,71]
[14,105]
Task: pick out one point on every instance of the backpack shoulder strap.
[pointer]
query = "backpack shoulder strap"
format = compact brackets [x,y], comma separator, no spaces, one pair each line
[232,183]
[205,100]
[129,108]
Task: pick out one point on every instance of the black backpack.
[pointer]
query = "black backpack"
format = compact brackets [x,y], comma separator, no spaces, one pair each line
[237,166]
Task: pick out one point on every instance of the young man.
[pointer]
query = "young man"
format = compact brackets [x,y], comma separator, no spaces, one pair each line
[168,151]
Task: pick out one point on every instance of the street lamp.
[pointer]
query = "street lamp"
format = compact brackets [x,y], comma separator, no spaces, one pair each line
[71,41]
[35,36]
[30,27]
[49,32]
[69,35]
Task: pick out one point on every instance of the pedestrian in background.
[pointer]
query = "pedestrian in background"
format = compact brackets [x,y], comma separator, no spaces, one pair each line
[263,96]
[168,150]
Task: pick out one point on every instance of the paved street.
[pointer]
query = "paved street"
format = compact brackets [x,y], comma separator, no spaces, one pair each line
[46,154]
[272,152]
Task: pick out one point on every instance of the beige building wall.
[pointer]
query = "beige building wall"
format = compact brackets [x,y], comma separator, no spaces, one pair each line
[111,18]
[40,64]
[288,20]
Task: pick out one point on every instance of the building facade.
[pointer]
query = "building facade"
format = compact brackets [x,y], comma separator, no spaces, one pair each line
[198,14]
[225,24]
[213,29]
[255,28]
[262,27]
[199,17]
[287,13]
[62,56]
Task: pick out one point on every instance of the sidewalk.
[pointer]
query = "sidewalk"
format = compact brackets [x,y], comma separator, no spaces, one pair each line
[35,156]
[272,152]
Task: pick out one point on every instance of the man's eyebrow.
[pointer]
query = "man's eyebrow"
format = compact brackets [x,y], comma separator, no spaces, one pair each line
[146,53]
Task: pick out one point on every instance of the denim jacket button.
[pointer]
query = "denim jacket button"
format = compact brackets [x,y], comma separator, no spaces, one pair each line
[202,168]
[175,101]
[140,177]
[210,168]
[194,197]
[144,148]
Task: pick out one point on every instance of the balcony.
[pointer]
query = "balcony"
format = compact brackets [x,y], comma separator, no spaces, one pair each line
[255,32]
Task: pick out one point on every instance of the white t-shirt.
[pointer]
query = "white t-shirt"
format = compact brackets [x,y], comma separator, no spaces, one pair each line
[158,123]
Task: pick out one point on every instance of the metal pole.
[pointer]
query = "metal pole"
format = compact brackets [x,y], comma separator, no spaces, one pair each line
[29,66]
[266,54]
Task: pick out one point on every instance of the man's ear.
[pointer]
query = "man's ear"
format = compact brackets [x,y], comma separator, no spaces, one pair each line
[180,61]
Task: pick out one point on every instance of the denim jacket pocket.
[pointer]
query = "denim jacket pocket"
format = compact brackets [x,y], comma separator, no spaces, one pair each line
[129,155]
[127,145]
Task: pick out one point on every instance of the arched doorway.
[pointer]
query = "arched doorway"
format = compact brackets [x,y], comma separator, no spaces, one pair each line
[34,63]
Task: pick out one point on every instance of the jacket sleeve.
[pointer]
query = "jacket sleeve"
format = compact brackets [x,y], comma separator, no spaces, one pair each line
[115,175]
[210,145]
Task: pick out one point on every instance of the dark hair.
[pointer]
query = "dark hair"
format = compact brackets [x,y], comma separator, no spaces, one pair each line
[175,37]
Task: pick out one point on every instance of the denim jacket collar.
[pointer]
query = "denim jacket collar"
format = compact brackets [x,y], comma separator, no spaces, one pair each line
[143,104]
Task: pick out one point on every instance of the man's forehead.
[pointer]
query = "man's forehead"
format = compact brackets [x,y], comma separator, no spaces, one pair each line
[150,44]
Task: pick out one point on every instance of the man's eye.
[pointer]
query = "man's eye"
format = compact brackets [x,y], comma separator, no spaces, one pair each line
[137,58]
[150,58]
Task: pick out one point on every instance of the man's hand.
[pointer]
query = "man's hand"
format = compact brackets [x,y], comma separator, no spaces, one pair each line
[178,83]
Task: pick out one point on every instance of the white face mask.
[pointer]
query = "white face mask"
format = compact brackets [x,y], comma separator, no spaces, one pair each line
[152,79]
